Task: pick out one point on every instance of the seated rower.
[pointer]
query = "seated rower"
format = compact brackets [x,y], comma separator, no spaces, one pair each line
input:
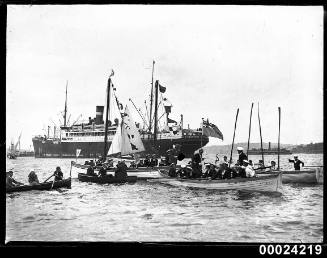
[102,172]
[58,174]
[249,171]
[206,171]
[32,178]
[272,165]
[10,181]
[90,171]
[121,170]
[213,173]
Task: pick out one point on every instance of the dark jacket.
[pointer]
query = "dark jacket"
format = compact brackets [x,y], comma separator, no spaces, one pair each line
[242,156]
[58,175]
[121,171]
[172,172]
[90,171]
[297,164]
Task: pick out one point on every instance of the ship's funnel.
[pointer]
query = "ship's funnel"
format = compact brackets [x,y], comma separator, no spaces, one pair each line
[99,115]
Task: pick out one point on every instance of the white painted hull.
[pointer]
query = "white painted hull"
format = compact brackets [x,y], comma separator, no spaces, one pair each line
[312,176]
[262,183]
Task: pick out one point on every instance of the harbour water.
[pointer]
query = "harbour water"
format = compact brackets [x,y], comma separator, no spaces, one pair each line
[145,211]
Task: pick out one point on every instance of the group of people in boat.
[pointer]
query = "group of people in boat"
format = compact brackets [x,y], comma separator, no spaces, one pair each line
[120,171]
[32,178]
[216,170]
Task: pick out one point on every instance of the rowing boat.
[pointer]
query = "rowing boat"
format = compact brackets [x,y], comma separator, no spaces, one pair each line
[43,186]
[307,176]
[106,179]
[262,183]
[142,173]
[139,169]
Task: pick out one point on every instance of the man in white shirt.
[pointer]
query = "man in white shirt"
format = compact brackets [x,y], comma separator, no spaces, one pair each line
[249,171]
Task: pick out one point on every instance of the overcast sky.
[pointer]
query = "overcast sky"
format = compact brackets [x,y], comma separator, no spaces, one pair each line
[212,59]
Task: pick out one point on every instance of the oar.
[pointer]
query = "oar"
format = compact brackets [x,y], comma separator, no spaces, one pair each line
[53,182]
[70,172]
[263,161]
[48,178]
[262,168]
[247,151]
[313,166]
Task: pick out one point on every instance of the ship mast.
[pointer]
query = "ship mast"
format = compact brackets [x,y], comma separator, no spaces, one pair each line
[151,98]
[65,112]
[156,114]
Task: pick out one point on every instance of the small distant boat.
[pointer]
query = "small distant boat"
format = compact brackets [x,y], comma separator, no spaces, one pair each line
[65,183]
[13,151]
[307,176]
[106,179]
[263,183]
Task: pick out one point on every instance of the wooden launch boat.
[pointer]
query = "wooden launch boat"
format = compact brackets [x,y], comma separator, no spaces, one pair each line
[262,183]
[106,179]
[65,183]
[307,176]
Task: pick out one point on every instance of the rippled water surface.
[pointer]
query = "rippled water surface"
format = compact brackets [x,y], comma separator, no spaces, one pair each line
[146,211]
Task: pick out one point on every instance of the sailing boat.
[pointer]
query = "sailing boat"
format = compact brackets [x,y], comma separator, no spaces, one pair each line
[13,150]
[127,140]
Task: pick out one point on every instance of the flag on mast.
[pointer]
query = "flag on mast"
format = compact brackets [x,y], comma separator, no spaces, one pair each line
[212,130]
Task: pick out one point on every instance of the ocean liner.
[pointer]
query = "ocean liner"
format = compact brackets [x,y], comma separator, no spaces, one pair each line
[89,137]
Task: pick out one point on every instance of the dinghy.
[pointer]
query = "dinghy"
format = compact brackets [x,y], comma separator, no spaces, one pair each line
[65,183]
[108,179]
[306,176]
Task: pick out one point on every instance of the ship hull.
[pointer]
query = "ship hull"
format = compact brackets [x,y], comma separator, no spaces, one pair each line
[51,149]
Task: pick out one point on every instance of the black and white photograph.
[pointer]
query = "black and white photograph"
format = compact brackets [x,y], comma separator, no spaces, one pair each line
[164,123]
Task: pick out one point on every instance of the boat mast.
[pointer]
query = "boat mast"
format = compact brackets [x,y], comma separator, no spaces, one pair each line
[151,98]
[263,161]
[155,114]
[65,112]
[106,121]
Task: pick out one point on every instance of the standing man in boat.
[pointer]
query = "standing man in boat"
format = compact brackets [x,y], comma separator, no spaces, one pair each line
[296,162]
[241,156]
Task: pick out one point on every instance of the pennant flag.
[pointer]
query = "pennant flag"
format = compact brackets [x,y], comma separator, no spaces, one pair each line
[212,130]
[171,121]
[78,151]
[162,88]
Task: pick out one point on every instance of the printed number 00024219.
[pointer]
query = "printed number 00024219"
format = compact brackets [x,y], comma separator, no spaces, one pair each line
[290,249]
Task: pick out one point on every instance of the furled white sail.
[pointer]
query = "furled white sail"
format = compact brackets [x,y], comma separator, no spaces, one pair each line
[132,133]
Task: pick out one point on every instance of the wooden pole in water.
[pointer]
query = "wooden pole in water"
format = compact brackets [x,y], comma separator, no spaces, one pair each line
[263,161]
[247,151]
[278,137]
[231,152]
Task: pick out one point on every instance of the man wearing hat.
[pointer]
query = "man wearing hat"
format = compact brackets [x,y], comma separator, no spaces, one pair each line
[296,162]
[241,155]
[249,171]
